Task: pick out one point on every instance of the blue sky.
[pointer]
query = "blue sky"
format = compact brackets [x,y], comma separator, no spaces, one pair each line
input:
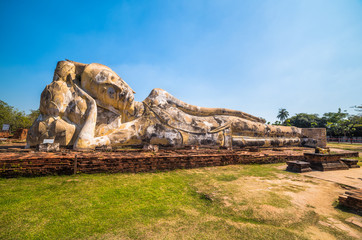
[254,56]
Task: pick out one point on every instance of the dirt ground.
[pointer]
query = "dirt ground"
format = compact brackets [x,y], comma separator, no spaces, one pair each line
[351,177]
[288,199]
[321,197]
[318,191]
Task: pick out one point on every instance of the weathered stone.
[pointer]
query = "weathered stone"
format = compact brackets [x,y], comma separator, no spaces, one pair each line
[325,162]
[49,147]
[254,149]
[4,134]
[13,164]
[352,199]
[319,135]
[355,220]
[150,147]
[298,166]
[89,105]
[351,163]
[21,134]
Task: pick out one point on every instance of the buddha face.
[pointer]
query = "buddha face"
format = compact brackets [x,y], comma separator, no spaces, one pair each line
[107,87]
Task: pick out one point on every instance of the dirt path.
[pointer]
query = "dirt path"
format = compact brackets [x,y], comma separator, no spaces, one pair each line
[319,194]
[351,177]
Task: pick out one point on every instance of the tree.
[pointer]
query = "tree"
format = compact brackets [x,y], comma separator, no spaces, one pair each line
[283,114]
[6,113]
[338,123]
[335,122]
[352,126]
[34,114]
[305,120]
[16,119]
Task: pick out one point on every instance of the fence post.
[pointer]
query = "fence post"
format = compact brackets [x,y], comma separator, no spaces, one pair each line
[75,164]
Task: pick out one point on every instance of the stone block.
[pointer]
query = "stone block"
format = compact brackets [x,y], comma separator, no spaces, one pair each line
[49,147]
[329,166]
[352,199]
[351,163]
[325,162]
[298,166]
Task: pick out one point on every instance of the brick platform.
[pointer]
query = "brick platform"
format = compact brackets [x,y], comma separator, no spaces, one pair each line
[328,162]
[352,199]
[14,164]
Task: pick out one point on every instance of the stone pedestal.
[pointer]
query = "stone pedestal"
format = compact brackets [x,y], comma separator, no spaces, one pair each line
[298,166]
[351,163]
[49,147]
[329,166]
[325,162]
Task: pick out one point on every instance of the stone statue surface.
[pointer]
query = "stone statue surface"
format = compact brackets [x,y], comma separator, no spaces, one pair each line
[89,105]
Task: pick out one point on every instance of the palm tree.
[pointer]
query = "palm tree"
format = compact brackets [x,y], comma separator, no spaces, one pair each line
[283,114]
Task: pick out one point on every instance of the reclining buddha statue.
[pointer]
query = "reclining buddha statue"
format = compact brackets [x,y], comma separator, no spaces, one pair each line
[89,105]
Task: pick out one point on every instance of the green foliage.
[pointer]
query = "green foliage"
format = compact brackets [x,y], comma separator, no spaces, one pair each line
[304,120]
[337,123]
[16,119]
[342,124]
[34,114]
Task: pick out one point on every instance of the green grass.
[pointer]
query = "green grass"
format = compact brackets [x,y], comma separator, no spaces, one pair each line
[350,147]
[346,146]
[182,204]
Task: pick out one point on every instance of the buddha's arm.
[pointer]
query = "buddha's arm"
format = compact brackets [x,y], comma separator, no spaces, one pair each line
[161,97]
[85,138]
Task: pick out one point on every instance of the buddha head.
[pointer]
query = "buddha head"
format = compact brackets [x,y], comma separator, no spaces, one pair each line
[104,85]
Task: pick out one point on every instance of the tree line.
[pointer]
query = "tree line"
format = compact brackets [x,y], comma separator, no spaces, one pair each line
[16,119]
[338,123]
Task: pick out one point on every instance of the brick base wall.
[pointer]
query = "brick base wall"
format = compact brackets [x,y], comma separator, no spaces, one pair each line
[4,134]
[37,164]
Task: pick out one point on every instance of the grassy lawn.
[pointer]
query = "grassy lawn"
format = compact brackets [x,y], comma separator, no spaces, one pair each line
[231,202]
[346,146]
[351,147]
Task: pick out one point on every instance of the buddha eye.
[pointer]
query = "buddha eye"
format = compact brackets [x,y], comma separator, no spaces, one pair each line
[111,92]
[100,77]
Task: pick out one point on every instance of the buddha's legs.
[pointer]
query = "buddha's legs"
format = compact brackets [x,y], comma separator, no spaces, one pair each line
[248,133]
